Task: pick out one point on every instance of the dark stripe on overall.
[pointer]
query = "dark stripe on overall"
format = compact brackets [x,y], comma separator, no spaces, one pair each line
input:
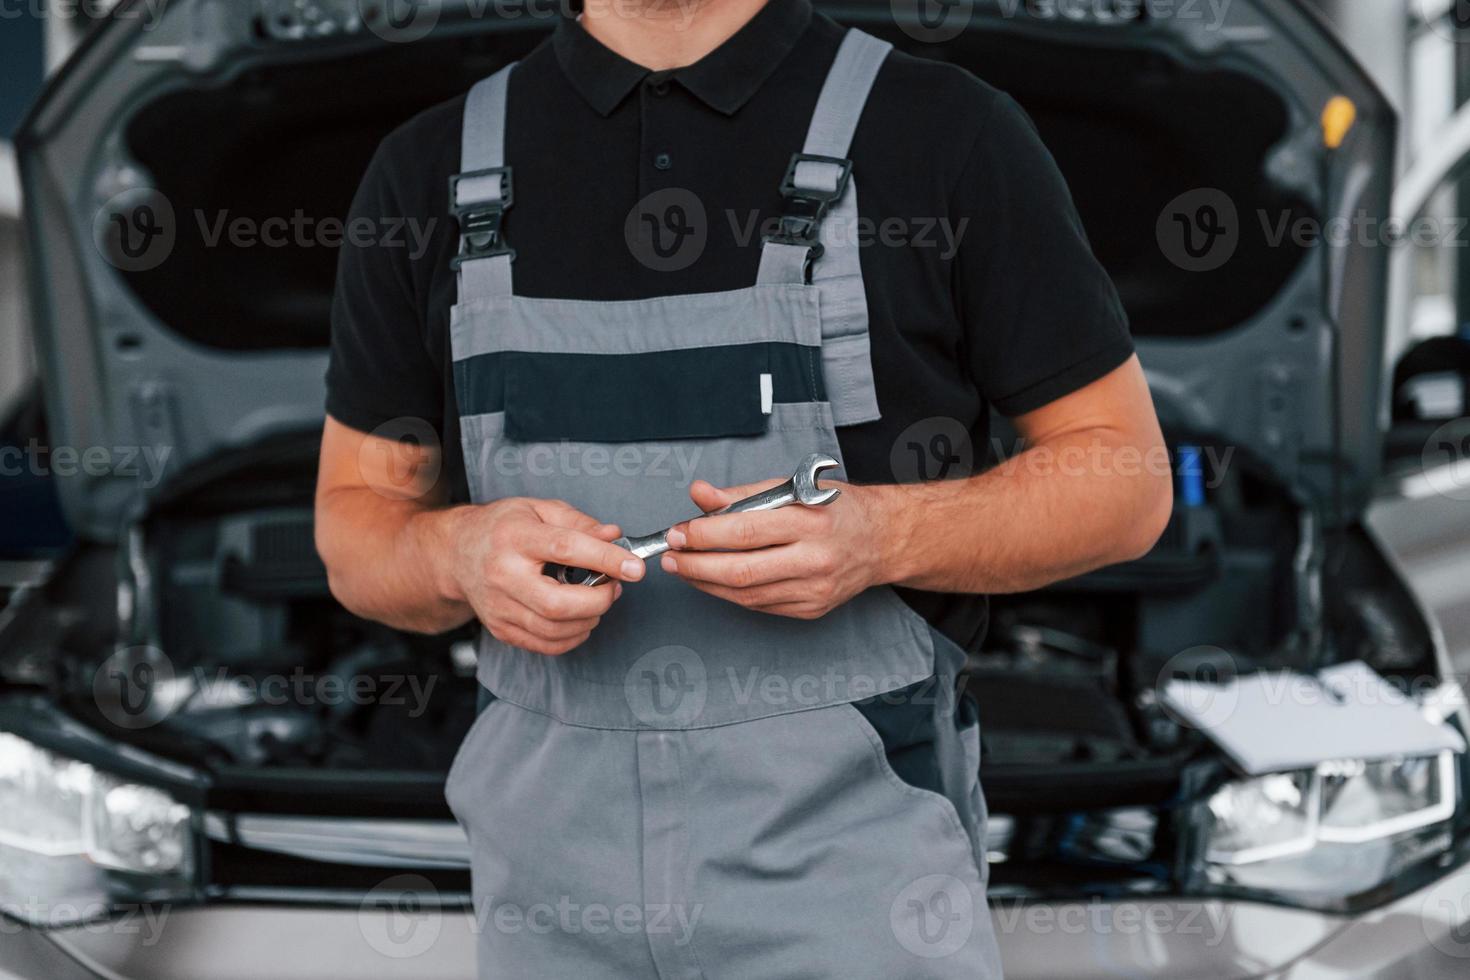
[678,394]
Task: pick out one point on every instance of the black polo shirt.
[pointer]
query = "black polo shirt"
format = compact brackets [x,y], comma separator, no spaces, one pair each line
[982,290]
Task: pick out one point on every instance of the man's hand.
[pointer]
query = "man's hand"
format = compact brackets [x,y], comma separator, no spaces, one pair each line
[1093,487]
[396,553]
[498,553]
[801,562]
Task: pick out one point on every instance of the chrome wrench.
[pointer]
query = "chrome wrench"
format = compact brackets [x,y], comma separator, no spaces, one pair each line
[802,488]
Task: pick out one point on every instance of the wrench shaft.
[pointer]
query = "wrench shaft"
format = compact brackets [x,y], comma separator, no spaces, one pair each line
[802,488]
[644,546]
[781,496]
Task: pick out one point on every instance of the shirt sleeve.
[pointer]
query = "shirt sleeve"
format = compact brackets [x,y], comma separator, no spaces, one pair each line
[1041,317]
[380,367]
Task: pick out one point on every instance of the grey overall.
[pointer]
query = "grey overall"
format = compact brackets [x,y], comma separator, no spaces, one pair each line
[701,790]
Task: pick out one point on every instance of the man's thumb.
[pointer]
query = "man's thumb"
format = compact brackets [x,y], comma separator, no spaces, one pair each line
[708,497]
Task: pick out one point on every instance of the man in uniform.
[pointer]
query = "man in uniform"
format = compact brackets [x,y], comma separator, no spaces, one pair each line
[691,247]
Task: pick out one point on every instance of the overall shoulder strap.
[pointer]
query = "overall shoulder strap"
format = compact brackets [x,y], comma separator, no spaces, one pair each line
[818,242]
[820,176]
[840,105]
[481,192]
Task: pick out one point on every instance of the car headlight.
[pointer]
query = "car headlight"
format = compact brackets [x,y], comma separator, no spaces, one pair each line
[1329,833]
[76,842]
[1263,818]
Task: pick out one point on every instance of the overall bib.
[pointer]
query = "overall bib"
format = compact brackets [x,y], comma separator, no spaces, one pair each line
[703,791]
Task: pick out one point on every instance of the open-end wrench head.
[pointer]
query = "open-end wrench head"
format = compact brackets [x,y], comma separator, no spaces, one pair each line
[808,492]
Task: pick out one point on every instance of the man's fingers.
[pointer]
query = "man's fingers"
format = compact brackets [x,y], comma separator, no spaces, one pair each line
[546,597]
[518,637]
[747,531]
[562,514]
[525,618]
[758,598]
[779,599]
[795,610]
[742,569]
[708,497]
[554,632]
[578,549]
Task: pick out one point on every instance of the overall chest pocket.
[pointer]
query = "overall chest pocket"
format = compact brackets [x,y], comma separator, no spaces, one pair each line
[707,366]
[660,395]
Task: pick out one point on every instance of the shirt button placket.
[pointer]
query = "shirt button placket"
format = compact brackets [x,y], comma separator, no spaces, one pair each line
[657,159]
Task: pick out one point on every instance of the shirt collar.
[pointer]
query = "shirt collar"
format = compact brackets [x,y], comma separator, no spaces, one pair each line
[724,79]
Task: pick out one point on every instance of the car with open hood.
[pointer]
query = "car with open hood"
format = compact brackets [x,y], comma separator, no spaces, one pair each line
[209,768]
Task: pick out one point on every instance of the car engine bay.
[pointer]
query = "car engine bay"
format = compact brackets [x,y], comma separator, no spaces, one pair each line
[270,672]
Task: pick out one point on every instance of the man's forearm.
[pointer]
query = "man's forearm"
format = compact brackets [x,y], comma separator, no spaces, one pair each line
[385,559]
[1067,506]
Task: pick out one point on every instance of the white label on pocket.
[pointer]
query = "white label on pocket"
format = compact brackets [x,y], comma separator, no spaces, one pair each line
[768,395]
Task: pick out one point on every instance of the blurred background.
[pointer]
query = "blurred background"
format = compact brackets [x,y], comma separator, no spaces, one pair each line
[22,66]
[1412,47]
[1416,50]
[1085,795]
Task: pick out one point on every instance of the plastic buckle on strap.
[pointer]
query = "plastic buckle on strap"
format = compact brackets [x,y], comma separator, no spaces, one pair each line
[480,223]
[805,207]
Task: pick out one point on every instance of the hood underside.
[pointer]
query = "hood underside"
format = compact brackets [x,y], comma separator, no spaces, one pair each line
[159,363]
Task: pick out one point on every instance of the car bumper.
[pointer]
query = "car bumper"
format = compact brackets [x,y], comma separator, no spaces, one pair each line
[1425,935]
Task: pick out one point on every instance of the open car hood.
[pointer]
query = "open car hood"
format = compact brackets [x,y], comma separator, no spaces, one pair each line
[160,347]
